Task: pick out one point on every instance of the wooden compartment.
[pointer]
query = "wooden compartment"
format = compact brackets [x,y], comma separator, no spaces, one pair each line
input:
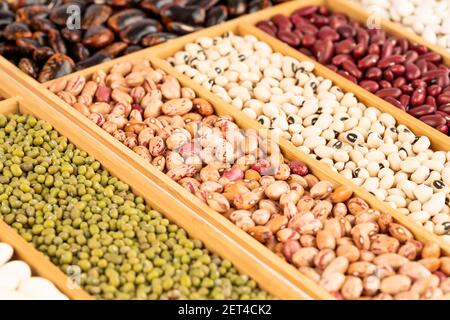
[221,237]
[39,264]
[439,141]
[146,170]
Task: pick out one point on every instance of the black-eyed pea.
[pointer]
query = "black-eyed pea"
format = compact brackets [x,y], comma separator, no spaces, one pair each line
[361,269]
[332,282]
[352,288]
[325,240]
[304,257]
[432,264]
[324,258]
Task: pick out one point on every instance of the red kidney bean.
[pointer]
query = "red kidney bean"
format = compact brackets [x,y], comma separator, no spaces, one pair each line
[344,47]
[399,82]
[306,11]
[310,29]
[332,67]
[308,40]
[359,51]
[385,84]
[374,73]
[387,49]
[431,56]
[388,75]
[396,103]
[368,62]
[339,59]
[345,30]
[403,44]
[443,99]
[370,85]
[291,38]
[445,108]
[420,48]
[434,74]
[348,76]
[405,99]
[389,92]
[374,49]
[422,65]
[397,70]
[434,90]
[407,89]
[431,66]
[418,97]
[411,57]
[422,110]
[431,101]
[418,83]
[443,128]
[325,52]
[268,27]
[351,68]
[390,61]
[434,120]
[282,22]
[326,33]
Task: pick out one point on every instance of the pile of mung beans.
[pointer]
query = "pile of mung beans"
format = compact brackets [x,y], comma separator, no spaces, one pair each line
[330,235]
[96,230]
[363,144]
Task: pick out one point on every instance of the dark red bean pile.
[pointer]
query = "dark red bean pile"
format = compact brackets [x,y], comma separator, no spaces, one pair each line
[35,36]
[407,75]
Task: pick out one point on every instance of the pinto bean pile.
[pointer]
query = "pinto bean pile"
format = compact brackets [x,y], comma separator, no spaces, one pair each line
[362,143]
[409,76]
[336,239]
[37,37]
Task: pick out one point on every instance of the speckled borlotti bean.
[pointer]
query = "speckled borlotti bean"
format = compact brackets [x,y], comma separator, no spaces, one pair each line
[332,237]
[360,142]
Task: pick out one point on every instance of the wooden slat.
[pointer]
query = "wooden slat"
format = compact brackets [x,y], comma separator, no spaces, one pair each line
[217,232]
